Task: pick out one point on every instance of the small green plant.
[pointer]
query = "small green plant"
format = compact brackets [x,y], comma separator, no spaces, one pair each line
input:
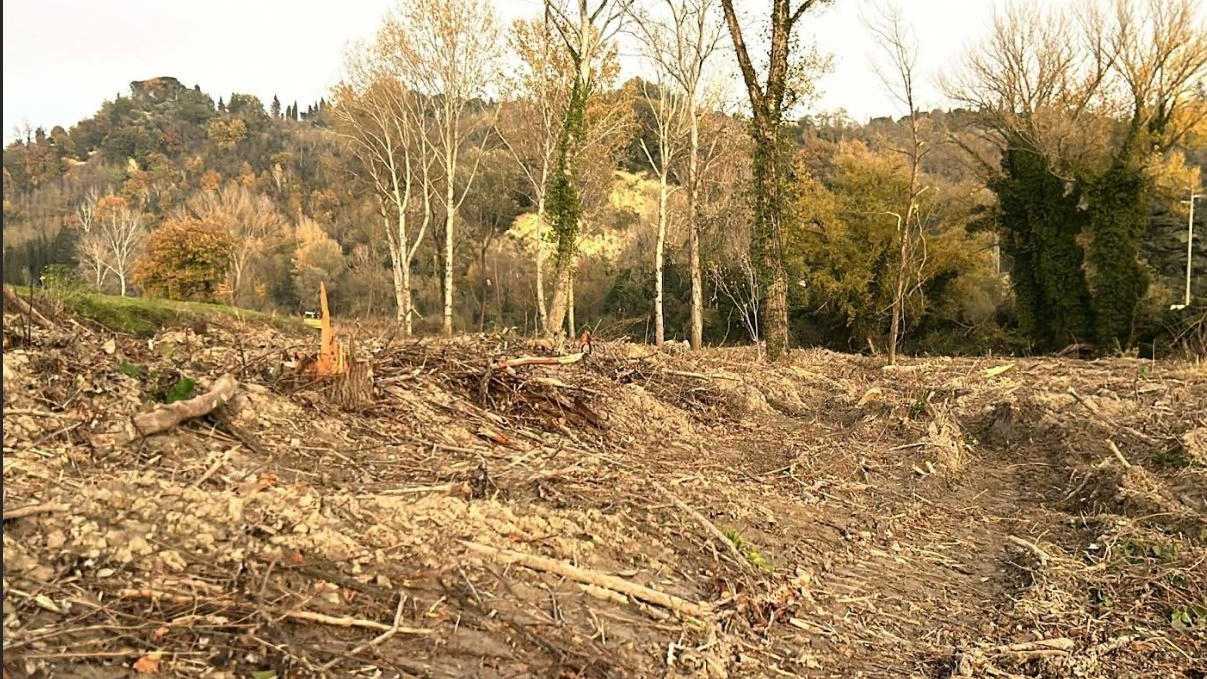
[1191,617]
[1100,598]
[130,370]
[184,388]
[61,279]
[752,553]
[1137,552]
[1165,553]
[917,408]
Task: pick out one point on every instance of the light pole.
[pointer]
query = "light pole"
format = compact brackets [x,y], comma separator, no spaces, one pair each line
[1189,249]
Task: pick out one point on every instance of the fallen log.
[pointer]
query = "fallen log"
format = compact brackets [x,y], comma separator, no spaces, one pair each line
[26,309]
[165,417]
[581,575]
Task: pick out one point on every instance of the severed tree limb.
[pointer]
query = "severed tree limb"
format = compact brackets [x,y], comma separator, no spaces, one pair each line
[539,360]
[708,526]
[581,575]
[345,621]
[172,414]
[704,376]
[1036,649]
[26,308]
[31,510]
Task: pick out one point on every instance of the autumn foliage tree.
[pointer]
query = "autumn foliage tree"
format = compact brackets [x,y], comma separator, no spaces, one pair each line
[186,259]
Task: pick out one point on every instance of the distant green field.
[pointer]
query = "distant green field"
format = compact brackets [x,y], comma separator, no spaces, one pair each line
[144,316]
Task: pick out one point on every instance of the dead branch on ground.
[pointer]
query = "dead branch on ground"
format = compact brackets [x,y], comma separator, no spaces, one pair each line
[581,575]
[26,309]
[31,510]
[172,414]
[708,526]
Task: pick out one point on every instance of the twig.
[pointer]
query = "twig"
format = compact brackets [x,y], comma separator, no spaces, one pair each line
[394,629]
[1118,454]
[620,585]
[437,488]
[31,510]
[1061,645]
[1032,547]
[1109,422]
[39,413]
[1111,645]
[212,470]
[308,616]
[345,621]
[708,526]
[703,376]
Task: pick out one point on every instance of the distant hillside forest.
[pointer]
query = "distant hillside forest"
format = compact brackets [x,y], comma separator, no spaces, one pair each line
[170,192]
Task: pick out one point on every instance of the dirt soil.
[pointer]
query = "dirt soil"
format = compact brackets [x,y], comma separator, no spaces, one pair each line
[638,513]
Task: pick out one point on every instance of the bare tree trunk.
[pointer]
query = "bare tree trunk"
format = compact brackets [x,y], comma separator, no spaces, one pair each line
[899,291]
[659,264]
[570,306]
[408,308]
[485,284]
[447,327]
[121,277]
[541,308]
[693,231]
[498,292]
[395,270]
[560,304]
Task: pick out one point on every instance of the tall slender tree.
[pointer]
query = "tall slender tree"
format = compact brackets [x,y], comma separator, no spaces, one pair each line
[531,130]
[786,79]
[585,29]
[451,51]
[683,37]
[387,128]
[896,69]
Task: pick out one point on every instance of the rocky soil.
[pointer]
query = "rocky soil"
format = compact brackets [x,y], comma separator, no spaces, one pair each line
[638,513]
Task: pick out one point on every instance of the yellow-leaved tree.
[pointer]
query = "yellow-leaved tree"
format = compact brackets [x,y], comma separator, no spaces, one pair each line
[186,259]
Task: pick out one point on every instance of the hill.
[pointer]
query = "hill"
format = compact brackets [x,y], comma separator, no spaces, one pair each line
[282,185]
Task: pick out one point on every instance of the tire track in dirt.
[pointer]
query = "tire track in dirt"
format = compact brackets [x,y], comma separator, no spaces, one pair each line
[904,569]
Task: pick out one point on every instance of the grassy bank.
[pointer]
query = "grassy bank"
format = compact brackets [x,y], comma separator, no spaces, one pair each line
[143,316]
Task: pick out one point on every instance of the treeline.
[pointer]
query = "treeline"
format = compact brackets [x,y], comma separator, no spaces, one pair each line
[466,175]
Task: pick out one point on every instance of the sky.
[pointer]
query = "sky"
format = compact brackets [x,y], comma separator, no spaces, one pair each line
[62,58]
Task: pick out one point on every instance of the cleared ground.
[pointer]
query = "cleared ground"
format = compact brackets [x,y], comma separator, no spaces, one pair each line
[705,516]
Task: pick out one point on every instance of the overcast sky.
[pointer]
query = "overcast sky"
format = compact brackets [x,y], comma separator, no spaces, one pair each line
[62,58]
